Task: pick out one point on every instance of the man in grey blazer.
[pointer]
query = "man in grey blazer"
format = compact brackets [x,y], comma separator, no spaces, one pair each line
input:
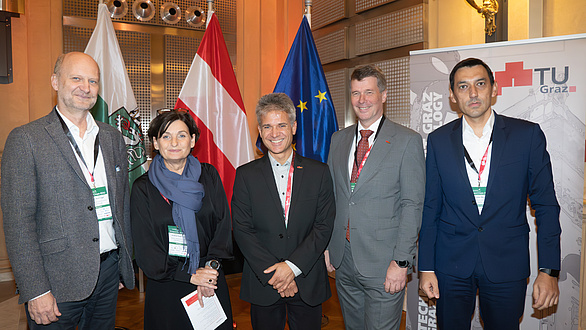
[65,206]
[378,170]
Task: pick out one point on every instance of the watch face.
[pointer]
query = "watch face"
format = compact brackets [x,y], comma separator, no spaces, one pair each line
[214,264]
[403,263]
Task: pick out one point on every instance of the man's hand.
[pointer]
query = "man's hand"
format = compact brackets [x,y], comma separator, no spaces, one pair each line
[290,291]
[43,310]
[428,284]
[545,291]
[329,266]
[282,277]
[396,278]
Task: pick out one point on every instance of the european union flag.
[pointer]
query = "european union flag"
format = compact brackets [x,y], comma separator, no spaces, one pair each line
[303,80]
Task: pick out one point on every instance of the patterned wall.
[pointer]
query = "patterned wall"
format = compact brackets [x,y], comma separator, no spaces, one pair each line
[179,50]
[349,36]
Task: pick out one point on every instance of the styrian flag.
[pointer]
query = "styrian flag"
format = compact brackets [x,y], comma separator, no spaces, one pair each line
[211,94]
[116,104]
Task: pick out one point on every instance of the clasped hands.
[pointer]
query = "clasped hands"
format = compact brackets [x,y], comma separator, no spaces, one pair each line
[283,279]
[206,279]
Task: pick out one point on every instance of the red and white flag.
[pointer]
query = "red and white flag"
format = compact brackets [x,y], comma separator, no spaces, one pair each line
[211,93]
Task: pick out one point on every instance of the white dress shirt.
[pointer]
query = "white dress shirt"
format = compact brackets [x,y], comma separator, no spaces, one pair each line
[86,146]
[281,175]
[476,147]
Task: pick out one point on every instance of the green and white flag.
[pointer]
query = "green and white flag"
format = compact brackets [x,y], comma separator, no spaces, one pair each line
[116,104]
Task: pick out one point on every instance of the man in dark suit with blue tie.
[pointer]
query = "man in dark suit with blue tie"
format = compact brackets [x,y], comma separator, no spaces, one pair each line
[474,236]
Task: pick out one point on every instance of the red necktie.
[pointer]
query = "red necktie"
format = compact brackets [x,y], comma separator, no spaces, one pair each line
[361,150]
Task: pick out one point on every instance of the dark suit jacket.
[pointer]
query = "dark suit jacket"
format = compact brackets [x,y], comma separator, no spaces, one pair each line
[453,235]
[50,223]
[259,228]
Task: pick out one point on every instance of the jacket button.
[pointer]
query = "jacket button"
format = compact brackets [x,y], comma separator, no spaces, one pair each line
[480,229]
[280,235]
[473,202]
[91,208]
[95,239]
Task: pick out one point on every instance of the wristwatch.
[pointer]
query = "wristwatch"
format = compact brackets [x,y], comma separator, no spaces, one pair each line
[214,264]
[550,272]
[403,263]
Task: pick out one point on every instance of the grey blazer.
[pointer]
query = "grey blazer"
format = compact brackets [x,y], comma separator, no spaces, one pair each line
[386,205]
[50,223]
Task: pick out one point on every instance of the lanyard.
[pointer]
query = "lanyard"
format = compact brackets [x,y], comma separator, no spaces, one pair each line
[166,199]
[288,193]
[359,169]
[78,151]
[482,162]
[361,165]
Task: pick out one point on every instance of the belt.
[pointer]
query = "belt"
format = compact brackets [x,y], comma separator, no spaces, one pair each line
[105,255]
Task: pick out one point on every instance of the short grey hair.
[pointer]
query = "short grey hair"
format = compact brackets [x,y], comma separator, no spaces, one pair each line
[57,68]
[272,102]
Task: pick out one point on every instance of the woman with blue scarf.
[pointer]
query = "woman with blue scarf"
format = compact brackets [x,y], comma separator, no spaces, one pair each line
[180,225]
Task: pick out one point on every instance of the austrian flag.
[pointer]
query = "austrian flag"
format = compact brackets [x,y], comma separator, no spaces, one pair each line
[211,93]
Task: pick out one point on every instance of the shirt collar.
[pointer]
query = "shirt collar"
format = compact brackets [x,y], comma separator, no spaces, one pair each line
[275,163]
[485,130]
[92,127]
[373,127]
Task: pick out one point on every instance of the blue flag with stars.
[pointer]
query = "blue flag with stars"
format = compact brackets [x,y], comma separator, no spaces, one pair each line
[303,80]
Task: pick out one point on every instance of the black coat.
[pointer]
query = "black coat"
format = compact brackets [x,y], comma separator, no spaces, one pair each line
[260,232]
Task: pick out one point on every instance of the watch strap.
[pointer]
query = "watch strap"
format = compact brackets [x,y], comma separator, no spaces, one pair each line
[550,272]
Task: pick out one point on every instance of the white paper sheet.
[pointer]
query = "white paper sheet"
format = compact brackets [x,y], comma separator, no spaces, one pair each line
[207,318]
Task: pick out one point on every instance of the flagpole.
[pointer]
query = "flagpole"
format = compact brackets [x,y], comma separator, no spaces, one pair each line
[210,11]
[308,4]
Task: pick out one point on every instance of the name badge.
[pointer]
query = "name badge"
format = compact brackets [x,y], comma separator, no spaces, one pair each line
[479,195]
[102,202]
[177,242]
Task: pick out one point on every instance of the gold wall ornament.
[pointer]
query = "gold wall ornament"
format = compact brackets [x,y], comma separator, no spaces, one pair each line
[488,11]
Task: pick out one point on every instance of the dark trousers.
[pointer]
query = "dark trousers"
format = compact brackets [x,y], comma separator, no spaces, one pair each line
[501,304]
[98,311]
[301,316]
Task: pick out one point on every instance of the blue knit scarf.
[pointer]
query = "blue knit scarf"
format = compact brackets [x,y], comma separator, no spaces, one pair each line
[187,194]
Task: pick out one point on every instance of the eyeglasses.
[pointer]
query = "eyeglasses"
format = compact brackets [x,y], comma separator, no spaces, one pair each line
[163,110]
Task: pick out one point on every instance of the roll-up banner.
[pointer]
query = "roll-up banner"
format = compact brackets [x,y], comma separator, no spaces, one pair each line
[543,81]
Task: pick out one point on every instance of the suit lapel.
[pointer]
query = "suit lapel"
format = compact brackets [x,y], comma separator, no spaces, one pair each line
[298,172]
[297,178]
[458,154]
[344,156]
[266,173]
[499,138]
[55,130]
[378,153]
[458,147]
[107,148]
